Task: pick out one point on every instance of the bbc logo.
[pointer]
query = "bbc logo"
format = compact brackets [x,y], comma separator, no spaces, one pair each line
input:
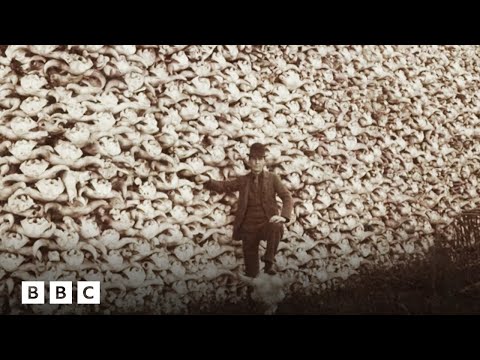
[88,292]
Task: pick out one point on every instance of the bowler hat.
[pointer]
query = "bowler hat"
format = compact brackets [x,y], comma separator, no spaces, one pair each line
[257,150]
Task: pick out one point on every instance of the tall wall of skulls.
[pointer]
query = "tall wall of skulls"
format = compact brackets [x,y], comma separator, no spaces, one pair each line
[101,145]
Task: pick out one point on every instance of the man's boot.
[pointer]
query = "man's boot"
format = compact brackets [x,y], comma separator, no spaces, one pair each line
[268,269]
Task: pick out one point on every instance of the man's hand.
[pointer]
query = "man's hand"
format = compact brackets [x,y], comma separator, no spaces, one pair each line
[277,219]
[201,179]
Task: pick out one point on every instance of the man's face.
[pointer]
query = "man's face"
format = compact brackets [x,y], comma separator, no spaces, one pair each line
[256,164]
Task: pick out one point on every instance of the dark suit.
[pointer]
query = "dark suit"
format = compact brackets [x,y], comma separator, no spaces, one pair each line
[269,186]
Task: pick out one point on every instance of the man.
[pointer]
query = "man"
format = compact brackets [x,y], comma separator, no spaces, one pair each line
[257,215]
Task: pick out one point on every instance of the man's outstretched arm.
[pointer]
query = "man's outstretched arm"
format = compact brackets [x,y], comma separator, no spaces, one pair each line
[221,186]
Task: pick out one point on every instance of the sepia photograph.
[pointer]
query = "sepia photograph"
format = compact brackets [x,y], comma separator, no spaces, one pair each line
[239,179]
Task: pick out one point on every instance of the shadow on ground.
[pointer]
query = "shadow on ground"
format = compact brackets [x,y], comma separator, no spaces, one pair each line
[444,281]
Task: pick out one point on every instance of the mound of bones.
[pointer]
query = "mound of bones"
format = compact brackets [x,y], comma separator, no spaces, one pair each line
[101,145]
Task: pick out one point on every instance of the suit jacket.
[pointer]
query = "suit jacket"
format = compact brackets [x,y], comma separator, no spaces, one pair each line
[271,185]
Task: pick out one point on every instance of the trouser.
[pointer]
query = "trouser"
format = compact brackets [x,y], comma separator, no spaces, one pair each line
[270,232]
